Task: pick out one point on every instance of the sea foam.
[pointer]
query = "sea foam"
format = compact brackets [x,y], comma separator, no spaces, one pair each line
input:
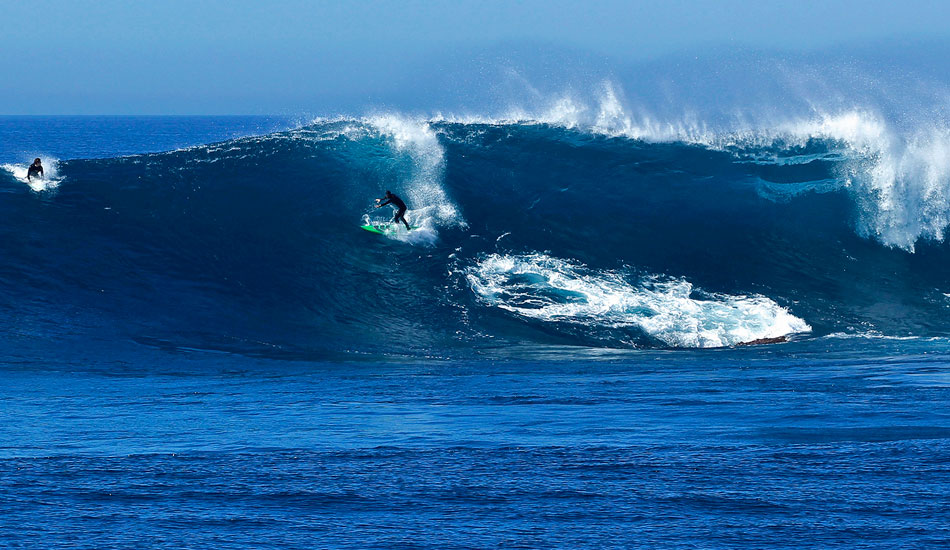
[553,290]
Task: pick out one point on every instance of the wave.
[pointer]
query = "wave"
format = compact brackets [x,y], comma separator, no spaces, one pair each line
[608,231]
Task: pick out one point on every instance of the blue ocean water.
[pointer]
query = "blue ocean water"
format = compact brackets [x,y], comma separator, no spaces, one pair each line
[23,138]
[202,349]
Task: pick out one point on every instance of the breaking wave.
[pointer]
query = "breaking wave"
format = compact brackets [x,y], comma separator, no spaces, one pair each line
[586,225]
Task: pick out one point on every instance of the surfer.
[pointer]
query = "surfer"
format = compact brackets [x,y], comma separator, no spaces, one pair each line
[400,208]
[36,169]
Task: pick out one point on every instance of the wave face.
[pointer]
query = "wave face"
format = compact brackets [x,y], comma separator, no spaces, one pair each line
[609,235]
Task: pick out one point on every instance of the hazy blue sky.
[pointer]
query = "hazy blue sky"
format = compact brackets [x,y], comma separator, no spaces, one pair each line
[236,56]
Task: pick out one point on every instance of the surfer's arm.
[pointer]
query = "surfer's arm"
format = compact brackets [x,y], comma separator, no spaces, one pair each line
[383,203]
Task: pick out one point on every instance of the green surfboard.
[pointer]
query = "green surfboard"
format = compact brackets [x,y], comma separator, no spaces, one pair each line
[383,228]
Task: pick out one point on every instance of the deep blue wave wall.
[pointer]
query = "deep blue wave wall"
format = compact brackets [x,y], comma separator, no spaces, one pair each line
[253,245]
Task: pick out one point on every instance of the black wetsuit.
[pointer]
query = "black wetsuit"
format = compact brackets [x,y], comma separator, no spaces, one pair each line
[33,171]
[400,209]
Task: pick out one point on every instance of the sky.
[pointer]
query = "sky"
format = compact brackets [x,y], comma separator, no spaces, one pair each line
[317,57]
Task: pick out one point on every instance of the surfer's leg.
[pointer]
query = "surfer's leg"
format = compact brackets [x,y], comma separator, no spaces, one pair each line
[401,215]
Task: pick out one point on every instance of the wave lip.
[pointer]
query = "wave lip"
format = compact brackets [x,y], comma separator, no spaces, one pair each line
[553,290]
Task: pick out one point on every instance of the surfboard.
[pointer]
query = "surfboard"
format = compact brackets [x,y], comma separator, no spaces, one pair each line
[383,228]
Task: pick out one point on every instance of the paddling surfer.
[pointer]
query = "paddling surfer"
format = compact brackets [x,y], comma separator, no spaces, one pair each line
[398,204]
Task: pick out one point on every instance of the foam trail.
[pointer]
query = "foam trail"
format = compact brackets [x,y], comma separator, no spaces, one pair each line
[538,286]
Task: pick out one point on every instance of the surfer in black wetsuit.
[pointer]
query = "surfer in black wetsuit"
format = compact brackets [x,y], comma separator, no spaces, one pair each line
[400,208]
[36,169]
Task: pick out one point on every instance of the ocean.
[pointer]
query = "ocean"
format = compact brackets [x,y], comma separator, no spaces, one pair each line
[603,334]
